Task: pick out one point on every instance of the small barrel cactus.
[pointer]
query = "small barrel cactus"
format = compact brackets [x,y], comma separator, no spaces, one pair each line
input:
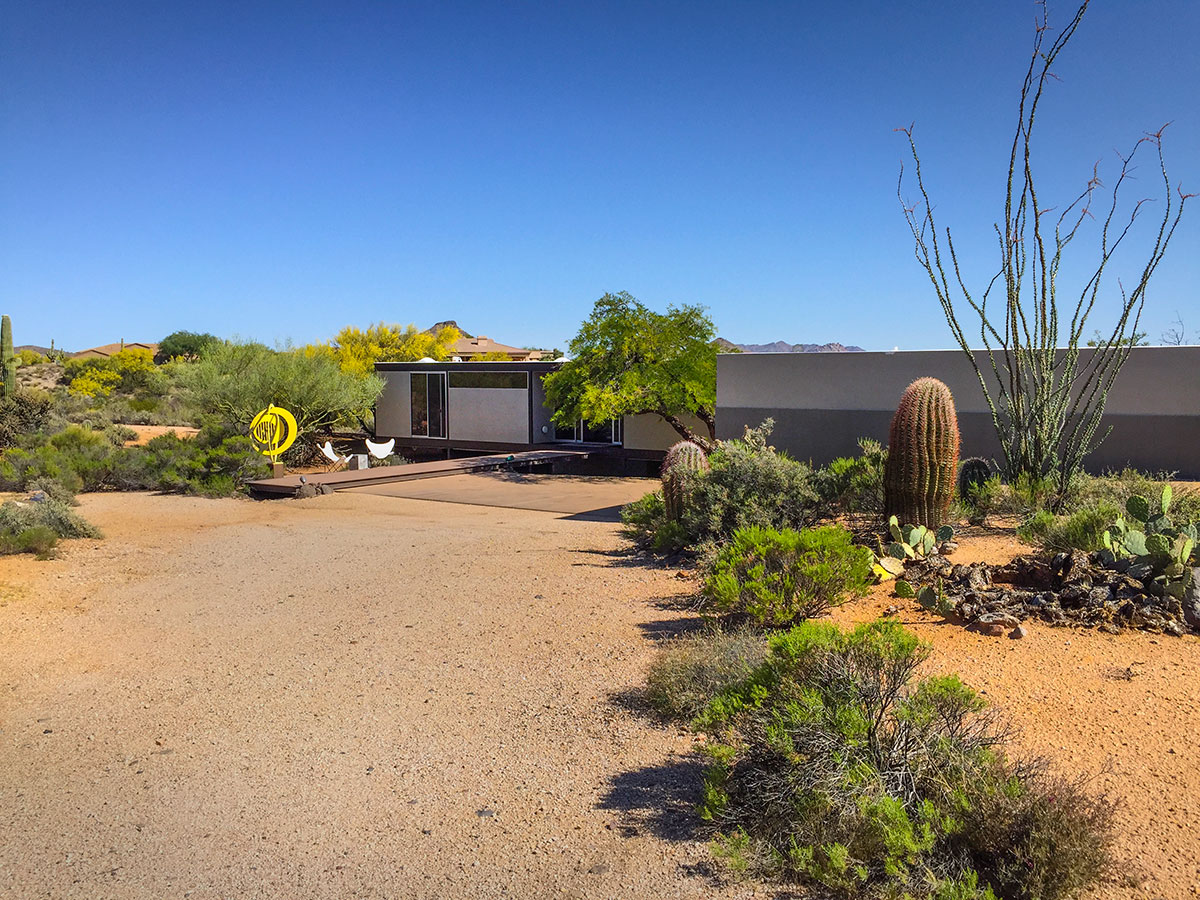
[682,457]
[922,462]
[972,474]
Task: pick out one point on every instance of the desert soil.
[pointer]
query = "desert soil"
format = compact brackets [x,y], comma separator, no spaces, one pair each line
[365,696]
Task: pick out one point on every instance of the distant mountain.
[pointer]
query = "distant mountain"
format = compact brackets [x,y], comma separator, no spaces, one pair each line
[785,347]
[434,329]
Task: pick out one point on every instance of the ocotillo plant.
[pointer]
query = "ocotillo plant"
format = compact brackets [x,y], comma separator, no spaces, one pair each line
[922,462]
[683,456]
[8,360]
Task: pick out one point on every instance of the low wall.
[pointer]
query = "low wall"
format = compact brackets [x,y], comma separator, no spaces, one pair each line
[822,403]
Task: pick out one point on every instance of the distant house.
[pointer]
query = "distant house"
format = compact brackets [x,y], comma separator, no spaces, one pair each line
[469,348]
[108,350]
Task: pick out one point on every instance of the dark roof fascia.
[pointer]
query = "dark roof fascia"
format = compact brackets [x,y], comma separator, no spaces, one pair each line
[540,366]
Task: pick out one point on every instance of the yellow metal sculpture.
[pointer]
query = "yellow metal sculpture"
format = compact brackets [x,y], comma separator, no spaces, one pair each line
[273,431]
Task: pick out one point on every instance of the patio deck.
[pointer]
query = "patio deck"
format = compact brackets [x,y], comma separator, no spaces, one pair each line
[288,485]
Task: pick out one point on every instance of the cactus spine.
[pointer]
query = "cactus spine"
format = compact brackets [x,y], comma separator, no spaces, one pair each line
[681,458]
[8,361]
[922,463]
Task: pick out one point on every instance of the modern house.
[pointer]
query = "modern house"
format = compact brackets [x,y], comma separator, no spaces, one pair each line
[457,408]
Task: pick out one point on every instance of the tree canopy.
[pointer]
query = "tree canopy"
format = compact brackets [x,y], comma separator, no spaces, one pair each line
[237,380]
[629,360]
[357,350]
[188,345]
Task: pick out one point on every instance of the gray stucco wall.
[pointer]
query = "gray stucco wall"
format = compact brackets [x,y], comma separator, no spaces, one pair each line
[489,414]
[651,432]
[823,403]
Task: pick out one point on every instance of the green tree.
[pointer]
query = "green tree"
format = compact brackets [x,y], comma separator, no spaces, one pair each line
[357,350]
[186,345]
[630,360]
[237,380]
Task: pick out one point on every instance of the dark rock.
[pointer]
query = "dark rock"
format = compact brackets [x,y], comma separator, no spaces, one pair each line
[306,492]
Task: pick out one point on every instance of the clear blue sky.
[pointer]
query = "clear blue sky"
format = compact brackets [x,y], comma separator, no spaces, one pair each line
[278,170]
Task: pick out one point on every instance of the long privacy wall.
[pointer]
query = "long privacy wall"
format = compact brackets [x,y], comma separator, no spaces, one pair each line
[822,403]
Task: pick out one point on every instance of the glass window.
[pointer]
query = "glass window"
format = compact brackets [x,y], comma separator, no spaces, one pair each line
[517,380]
[420,403]
[437,405]
[427,392]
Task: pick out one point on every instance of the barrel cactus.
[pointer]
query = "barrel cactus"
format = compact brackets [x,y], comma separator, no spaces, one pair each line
[682,457]
[972,474]
[922,462]
[8,361]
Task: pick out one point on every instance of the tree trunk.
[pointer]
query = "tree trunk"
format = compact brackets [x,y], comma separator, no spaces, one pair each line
[707,444]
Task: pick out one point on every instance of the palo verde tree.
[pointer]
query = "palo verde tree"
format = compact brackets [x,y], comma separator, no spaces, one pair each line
[629,360]
[1046,396]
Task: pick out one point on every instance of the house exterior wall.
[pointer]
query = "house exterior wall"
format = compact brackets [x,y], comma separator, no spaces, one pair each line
[489,414]
[651,432]
[823,403]
[393,411]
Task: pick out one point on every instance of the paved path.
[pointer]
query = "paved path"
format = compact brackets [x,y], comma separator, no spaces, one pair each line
[580,496]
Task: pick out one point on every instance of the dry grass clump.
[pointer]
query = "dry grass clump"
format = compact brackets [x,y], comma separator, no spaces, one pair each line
[692,669]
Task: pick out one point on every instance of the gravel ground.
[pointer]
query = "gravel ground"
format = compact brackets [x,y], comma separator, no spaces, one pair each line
[360,696]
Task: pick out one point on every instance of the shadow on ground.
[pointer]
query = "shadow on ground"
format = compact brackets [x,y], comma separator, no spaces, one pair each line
[658,799]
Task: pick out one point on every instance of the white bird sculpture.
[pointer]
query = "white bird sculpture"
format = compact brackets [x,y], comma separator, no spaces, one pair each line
[381,451]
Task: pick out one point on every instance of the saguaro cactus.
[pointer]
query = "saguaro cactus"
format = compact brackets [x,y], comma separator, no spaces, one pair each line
[8,360]
[922,462]
[683,456]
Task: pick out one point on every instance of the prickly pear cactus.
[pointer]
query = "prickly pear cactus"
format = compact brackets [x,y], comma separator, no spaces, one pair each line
[683,456]
[8,361]
[922,463]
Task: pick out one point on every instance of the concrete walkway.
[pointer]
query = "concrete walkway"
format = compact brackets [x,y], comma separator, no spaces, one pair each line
[593,497]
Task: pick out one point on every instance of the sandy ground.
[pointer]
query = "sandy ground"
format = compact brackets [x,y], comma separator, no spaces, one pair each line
[365,696]
[145,433]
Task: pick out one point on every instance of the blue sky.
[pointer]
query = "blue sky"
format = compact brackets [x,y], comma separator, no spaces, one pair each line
[278,170]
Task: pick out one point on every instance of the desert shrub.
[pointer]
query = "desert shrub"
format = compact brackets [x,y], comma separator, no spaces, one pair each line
[984,499]
[119,435]
[1081,530]
[78,458]
[214,463]
[646,522]
[24,413]
[777,577]
[185,345]
[52,488]
[1114,488]
[30,358]
[750,484]
[834,765]
[38,540]
[854,484]
[55,515]
[690,670]
[237,380]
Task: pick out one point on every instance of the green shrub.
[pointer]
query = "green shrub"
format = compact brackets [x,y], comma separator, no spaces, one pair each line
[854,484]
[22,414]
[55,515]
[834,765]
[1081,530]
[54,489]
[690,670]
[749,484]
[777,577]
